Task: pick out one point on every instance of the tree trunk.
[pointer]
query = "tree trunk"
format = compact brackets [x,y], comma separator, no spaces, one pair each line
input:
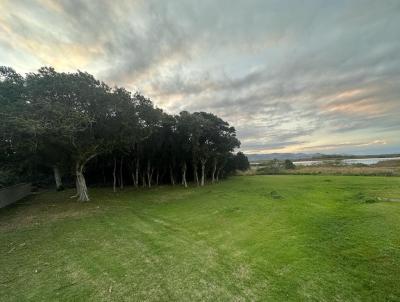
[195,174]
[149,173]
[137,173]
[57,178]
[104,176]
[114,175]
[81,188]
[133,178]
[214,170]
[143,180]
[218,172]
[162,176]
[157,174]
[121,174]
[203,171]
[171,175]
[184,174]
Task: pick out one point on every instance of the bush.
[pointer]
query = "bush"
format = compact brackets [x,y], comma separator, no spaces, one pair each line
[276,166]
[289,165]
[241,162]
[272,167]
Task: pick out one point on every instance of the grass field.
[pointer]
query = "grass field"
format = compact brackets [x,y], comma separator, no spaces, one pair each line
[257,238]
[383,168]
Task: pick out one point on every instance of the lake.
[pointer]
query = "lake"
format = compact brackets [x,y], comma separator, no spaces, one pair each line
[348,161]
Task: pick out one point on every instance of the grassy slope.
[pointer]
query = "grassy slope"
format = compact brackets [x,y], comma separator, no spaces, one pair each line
[313,238]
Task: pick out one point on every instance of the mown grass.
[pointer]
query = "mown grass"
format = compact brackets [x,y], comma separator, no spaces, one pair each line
[260,238]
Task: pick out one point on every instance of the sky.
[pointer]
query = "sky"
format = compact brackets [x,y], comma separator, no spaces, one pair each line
[291,76]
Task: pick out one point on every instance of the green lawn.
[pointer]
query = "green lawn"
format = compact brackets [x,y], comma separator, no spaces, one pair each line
[266,238]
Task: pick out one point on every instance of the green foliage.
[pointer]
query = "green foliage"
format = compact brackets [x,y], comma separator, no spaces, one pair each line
[241,162]
[237,162]
[66,120]
[289,165]
[274,166]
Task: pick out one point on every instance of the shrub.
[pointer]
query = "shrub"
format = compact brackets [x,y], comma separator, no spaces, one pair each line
[272,167]
[289,165]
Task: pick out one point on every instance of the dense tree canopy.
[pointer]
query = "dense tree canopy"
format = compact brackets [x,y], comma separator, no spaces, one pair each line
[72,125]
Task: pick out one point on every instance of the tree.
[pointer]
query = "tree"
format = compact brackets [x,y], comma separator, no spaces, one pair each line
[76,109]
[62,121]
[216,140]
[241,162]
[190,126]
[289,165]
[185,136]
[17,140]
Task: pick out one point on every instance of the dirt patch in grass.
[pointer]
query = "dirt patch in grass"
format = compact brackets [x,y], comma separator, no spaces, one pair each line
[276,195]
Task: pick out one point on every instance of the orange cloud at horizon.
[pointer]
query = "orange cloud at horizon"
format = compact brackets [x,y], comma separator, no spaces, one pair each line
[315,148]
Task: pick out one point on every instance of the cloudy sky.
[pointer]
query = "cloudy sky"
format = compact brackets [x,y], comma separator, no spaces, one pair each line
[291,76]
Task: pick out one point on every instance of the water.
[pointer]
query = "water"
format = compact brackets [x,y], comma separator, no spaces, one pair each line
[348,161]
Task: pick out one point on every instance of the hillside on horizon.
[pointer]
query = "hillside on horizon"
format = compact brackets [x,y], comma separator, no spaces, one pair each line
[305,156]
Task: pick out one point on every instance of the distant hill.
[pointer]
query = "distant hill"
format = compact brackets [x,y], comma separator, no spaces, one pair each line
[305,156]
[281,156]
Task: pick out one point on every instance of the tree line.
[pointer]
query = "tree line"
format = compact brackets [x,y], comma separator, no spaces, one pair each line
[84,130]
